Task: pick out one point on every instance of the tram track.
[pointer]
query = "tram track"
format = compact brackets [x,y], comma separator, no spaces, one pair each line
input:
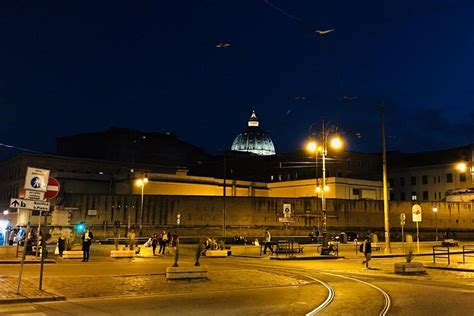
[328,284]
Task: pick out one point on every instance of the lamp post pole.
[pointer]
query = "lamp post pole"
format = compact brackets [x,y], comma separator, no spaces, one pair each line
[435,211]
[385,185]
[224,215]
[323,195]
[141,208]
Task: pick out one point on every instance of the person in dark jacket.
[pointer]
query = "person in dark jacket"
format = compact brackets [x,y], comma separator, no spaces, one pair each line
[367,250]
[87,237]
[61,244]
[154,242]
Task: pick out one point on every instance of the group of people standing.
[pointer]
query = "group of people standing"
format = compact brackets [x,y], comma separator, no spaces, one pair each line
[164,239]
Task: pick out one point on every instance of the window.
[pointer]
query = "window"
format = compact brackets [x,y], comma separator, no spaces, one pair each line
[359,163]
[462,177]
[413,180]
[392,196]
[439,179]
[339,174]
[413,196]
[449,178]
[436,196]
[434,179]
[425,195]
[355,191]
[402,196]
[390,181]
[349,163]
[424,180]
[402,181]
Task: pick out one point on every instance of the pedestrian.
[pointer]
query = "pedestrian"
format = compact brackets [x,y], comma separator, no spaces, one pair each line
[61,244]
[87,237]
[163,242]
[174,239]
[367,250]
[131,238]
[154,242]
[268,240]
[12,236]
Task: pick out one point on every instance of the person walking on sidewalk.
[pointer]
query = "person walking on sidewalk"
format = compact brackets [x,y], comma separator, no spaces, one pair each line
[87,237]
[61,244]
[268,240]
[367,250]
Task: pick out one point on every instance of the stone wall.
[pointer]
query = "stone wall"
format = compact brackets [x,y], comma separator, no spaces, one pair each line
[250,216]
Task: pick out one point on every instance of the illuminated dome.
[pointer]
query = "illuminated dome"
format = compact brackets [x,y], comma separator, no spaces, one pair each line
[253,139]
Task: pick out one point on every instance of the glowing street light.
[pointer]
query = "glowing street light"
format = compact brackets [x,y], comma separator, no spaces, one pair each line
[141,183]
[435,211]
[461,166]
[328,135]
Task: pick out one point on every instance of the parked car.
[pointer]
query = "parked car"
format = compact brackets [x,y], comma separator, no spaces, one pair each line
[351,236]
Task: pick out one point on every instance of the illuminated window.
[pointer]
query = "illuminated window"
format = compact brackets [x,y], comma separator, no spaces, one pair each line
[413,196]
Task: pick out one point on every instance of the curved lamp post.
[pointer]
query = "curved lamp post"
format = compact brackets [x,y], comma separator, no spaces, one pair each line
[318,144]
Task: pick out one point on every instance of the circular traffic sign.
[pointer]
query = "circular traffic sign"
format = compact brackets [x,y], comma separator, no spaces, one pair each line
[402,216]
[53,188]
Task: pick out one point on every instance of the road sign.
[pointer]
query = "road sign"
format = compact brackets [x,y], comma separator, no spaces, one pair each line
[416,213]
[34,195]
[287,210]
[178,219]
[402,216]
[29,204]
[285,220]
[52,189]
[36,179]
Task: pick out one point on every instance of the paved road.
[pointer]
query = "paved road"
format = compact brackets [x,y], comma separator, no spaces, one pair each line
[356,291]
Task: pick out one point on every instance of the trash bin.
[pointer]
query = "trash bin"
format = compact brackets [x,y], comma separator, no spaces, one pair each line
[343,238]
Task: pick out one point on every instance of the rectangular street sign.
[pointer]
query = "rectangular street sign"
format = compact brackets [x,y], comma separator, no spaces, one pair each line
[34,195]
[285,220]
[36,179]
[287,210]
[29,204]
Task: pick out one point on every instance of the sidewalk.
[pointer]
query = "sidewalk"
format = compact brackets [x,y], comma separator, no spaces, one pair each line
[29,292]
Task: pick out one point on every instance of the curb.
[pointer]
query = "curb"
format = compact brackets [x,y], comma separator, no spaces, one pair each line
[308,258]
[38,299]
[425,254]
[449,268]
[26,262]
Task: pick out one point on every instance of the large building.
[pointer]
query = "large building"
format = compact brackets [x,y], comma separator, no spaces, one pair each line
[132,146]
[253,139]
[430,176]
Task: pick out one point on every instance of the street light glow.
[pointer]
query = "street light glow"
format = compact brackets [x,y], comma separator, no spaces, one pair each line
[318,189]
[435,209]
[141,182]
[5,212]
[312,146]
[326,188]
[336,142]
[461,166]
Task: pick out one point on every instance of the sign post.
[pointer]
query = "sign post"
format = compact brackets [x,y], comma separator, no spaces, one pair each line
[416,217]
[402,224]
[23,256]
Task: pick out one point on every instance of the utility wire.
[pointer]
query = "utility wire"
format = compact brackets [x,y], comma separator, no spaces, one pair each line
[20,148]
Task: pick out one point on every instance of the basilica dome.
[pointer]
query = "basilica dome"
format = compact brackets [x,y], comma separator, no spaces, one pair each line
[253,139]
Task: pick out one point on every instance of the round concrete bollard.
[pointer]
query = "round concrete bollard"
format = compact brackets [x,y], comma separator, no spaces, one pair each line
[408,238]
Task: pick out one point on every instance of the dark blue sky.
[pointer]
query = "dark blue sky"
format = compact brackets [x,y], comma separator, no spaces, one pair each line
[76,66]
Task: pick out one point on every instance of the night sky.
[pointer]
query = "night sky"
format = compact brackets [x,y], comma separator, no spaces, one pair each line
[76,66]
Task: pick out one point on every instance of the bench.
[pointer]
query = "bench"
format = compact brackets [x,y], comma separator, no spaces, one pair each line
[449,243]
[288,248]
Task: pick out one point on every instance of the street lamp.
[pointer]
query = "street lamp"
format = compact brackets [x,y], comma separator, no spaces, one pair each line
[319,144]
[141,183]
[435,211]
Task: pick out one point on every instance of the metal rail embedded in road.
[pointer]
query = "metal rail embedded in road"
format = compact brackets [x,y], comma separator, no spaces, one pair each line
[388,301]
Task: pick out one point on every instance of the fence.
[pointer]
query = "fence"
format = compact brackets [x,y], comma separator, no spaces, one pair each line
[441,252]
[467,251]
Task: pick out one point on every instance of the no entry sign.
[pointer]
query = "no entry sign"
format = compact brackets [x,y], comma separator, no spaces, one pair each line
[53,188]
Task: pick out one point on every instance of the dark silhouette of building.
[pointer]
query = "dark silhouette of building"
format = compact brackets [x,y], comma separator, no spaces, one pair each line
[132,146]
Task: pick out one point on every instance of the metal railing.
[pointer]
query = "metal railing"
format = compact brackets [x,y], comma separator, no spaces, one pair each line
[467,251]
[441,252]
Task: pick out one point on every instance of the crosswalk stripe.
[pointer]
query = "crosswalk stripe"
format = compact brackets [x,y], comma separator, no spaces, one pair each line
[30,314]
[16,309]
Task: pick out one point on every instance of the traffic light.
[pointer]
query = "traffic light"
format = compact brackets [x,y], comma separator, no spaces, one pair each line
[81,227]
